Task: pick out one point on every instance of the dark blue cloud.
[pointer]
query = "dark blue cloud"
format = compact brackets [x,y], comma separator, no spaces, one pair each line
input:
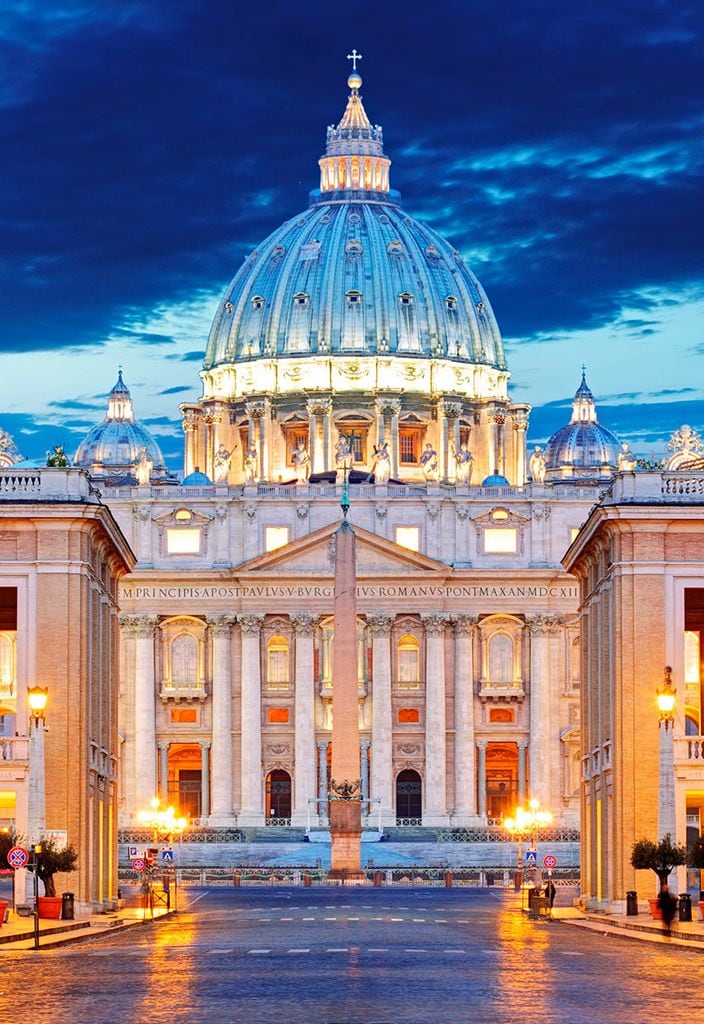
[176,390]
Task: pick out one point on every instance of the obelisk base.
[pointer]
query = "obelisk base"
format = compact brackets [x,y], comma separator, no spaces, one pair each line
[346,836]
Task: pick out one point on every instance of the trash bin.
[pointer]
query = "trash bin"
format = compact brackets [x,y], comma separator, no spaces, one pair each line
[68,911]
[631,903]
[685,907]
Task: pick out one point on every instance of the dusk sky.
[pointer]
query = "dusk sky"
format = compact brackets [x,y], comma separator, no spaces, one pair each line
[147,147]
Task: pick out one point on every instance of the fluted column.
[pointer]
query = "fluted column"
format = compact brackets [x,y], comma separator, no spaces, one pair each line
[323,780]
[251,801]
[204,780]
[382,726]
[364,775]
[542,627]
[465,781]
[481,776]
[449,420]
[304,717]
[520,425]
[221,809]
[142,628]
[522,748]
[435,810]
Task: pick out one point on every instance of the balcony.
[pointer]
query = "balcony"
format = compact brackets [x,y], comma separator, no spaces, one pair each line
[511,690]
[689,753]
[14,751]
[177,691]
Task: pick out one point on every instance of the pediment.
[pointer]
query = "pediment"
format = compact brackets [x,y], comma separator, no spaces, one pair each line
[315,553]
[511,518]
[178,517]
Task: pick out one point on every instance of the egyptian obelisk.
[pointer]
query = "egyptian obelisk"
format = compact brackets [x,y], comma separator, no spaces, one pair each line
[345,784]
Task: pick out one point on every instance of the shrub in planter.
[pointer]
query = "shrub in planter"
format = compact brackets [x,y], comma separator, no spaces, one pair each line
[53,860]
[660,857]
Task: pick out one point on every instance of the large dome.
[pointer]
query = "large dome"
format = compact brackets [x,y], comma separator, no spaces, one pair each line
[354,277]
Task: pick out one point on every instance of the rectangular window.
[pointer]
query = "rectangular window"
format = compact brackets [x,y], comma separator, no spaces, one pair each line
[408,537]
[276,537]
[183,541]
[500,541]
[277,715]
[408,715]
[691,656]
[408,444]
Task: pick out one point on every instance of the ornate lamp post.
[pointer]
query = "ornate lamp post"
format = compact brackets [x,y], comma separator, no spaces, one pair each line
[526,822]
[37,697]
[667,818]
[164,825]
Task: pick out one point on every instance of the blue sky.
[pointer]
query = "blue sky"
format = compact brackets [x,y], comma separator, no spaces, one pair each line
[148,146]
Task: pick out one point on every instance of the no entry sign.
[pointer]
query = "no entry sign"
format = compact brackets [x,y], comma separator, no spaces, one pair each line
[550,861]
[17,857]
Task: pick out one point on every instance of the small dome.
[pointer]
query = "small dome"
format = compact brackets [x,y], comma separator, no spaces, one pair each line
[583,447]
[111,450]
[196,479]
[495,480]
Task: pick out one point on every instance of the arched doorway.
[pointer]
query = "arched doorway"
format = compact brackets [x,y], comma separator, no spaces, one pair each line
[278,797]
[409,798]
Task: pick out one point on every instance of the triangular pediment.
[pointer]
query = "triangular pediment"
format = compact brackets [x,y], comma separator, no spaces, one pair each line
[315,553]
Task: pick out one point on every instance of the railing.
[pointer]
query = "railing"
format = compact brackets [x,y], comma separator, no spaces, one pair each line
[506,690]
[29,484]
[182,691]
[14,748]
[192,835]
[690,749]
[278,822]
[684,484]
[409,822]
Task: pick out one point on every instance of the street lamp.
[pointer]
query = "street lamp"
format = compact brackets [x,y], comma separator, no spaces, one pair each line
[526,822]
[164,825]
[37,697]
[667,818]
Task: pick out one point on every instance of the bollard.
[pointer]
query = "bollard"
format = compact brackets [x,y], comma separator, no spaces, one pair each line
[307,881]
[448,879]
[377,879]
[631,903]
[236,880]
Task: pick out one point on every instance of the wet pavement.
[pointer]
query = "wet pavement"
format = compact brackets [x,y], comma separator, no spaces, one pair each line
[352,956]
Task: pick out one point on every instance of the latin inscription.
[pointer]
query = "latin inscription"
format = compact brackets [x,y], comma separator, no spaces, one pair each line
[364,591]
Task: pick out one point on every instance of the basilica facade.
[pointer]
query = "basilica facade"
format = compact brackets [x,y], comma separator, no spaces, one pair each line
[354,348]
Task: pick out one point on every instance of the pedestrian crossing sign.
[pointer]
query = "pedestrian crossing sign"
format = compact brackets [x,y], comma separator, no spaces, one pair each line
[167,856]
[531,858]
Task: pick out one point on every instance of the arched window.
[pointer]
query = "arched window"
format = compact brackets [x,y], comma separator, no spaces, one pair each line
[501,658]
[184,661]
[7,663]
[408,661]
[277,663]
[327,634]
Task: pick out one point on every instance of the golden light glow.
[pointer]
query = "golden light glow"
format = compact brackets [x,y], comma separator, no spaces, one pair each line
[37,697]
[666,698]
[527,820]
[162,820]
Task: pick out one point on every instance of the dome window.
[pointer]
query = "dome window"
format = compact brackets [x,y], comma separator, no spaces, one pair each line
[480,307]
[405,299]
[310,251]
[300,299]
[432,255]
[499,515]
[278,253]
[228,308]
[257,302]
[353,298]
[395,248]
[354,218]
[451,302]
[354,247]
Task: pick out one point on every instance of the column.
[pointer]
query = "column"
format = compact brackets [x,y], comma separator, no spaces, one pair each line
[323,781]
[520,425]
[542,627]
[190,429]
[449,413]
[204,780]
[435,811]
[382,726]
[327,436]
[465,781]
[311,406]
[251,802]
[304,717]
[142,627]
[221,806]
[164,772]
[395,409]
[380,422]
[522,748]
[364,775]
[481,776]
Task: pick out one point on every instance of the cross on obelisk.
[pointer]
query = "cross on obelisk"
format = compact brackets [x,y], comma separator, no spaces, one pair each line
[345,783]
[354,57]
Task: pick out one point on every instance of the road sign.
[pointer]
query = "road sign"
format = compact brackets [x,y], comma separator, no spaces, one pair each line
[531,858]
[132,852]
[550,861]
[138,864]
[167,856]
[17,857]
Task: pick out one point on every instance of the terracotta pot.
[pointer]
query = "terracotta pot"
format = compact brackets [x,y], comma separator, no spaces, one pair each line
[655,910]
[49,907]
[701,908]
[3,907]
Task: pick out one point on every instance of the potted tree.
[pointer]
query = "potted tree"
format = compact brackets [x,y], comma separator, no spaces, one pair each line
[661,858]
[50,861]
[695,859]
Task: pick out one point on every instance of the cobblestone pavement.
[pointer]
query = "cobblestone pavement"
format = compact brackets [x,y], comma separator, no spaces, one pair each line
[352,956]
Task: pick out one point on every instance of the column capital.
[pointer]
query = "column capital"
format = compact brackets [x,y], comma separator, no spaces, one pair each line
[319,406]
[322,744]
[380,624]
[390,405]
[543,624]
[522,744]
[465,625]
[304,623]
[250,623]
[141,626]
[365,744]
[450,410]
[435,623]
[220,625]
[204,744]
[163,745]
[255,409]
[482,744]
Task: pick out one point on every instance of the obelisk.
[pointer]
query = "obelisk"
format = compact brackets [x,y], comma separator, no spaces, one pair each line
[345,783]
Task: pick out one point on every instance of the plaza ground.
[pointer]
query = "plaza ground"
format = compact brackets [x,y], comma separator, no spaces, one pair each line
[352,956]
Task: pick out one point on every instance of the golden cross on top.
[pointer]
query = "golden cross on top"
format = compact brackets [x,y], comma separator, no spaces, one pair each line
[354,57]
